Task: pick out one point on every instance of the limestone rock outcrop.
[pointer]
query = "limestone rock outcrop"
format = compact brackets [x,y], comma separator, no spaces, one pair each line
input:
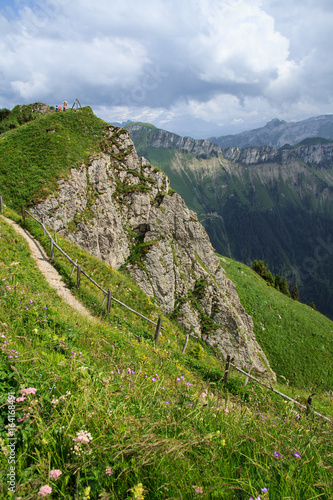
[121,209]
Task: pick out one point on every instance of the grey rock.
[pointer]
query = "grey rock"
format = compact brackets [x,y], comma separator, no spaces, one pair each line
[119,200]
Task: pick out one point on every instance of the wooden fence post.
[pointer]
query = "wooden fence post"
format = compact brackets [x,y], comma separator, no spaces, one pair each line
[23,213]
[247,378]
[1,206]
[108,308]
[43,226]
[157,331]
[309,403]
[186,342]
[55,236]
[78,279]
[227,369]
[73,268]
[52,250]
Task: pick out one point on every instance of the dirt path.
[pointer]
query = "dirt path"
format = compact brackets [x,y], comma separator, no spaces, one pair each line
[51,275]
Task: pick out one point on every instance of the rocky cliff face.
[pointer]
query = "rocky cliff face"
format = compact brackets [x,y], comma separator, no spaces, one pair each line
[120,209]
[158,138]
[316,153]
[313,154]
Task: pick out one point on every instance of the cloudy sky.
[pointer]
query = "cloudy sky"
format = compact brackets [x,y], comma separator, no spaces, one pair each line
[194,67]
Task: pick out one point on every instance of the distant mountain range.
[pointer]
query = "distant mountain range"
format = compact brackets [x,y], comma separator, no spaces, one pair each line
[277,133]
[268,203]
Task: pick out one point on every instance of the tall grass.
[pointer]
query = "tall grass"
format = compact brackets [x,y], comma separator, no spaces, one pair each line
[120,419]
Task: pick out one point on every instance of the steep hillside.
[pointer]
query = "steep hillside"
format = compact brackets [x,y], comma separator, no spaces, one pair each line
[277,133]
[121,209]
[259,203]
[99,412]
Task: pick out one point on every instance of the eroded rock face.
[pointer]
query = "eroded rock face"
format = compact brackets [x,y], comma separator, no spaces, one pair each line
[120,203]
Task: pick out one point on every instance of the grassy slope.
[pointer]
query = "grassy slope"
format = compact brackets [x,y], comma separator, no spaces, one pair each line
[35,155]
[147,421]
[297,340]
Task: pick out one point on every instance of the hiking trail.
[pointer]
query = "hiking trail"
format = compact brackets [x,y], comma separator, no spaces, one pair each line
[51,275]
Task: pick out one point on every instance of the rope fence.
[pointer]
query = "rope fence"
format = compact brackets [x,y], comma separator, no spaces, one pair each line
[109,298]
[226,377]
[108,295]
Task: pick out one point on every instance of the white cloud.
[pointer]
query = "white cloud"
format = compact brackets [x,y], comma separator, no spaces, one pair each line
[221,61]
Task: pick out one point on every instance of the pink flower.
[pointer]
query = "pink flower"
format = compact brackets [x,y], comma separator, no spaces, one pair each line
[109,471]
[22,419]
[83,437]
[45,490]
[55,474]
[22,398]
[29,390]
[198,489]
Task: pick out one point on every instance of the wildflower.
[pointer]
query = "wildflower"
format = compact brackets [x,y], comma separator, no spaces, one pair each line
[167,402]
[137,492]
[86,493]
[29,390]
[276,454]
[22,419]
[83,437]
[154,379]
[198,489]
[128,371]
[45,490]
[109,471]
[297,455]
[190,404]
[19,400]
[264,490]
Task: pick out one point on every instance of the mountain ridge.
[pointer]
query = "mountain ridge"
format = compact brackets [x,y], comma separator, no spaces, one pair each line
[277,133]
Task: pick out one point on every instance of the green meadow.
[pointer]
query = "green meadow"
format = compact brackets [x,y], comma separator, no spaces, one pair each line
[101,413]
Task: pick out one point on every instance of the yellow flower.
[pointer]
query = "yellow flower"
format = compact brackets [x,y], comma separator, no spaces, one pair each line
[137,492]
[223,442]
[86,493]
